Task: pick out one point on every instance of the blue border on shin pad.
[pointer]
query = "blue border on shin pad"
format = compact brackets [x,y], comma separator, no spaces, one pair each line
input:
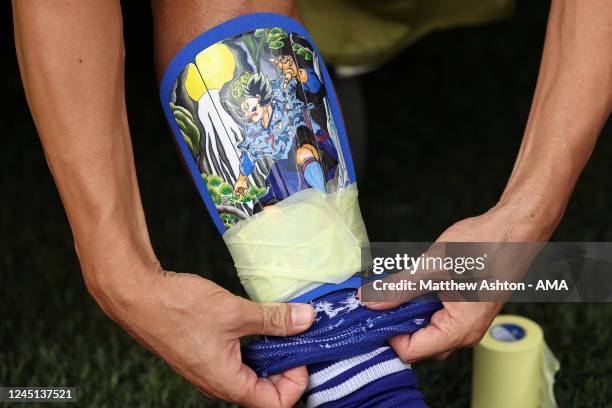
[236,26]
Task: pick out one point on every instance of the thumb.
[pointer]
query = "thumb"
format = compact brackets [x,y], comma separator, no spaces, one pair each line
[372,298]
[277,319]
[440,336]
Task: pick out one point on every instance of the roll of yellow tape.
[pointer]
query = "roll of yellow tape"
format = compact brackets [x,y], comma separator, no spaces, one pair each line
[513,367]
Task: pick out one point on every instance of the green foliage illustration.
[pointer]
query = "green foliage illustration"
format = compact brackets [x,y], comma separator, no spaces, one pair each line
[189,130]
[222,194]
[229,220]
[275,38]
[255,43]
[302,51]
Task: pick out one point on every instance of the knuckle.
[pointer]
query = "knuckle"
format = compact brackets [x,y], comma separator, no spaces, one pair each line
[455,342]
[472,340]
[438,321]
[403,356]
[443,356]
[274,318]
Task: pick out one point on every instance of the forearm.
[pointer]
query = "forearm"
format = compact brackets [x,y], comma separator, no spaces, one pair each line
[71,58]
[571,104]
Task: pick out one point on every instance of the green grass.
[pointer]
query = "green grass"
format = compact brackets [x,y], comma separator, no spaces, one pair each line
[445,123]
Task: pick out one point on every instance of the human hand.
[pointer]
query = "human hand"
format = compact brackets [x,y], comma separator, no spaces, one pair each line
[195,326]
[463,324]
[457,325]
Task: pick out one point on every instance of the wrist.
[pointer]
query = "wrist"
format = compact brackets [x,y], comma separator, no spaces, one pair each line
[116,270]
[538,191]
[534,217]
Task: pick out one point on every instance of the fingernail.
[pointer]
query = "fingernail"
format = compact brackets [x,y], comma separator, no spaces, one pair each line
[301,315]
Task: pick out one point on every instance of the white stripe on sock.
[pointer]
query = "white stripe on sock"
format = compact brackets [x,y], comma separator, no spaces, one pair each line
[357,381]
[341,366]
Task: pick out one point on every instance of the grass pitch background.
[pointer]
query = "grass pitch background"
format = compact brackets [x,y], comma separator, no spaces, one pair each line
[445,122]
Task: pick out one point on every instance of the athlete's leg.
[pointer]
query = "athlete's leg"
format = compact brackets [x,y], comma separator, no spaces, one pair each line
[176,22]
[236,112]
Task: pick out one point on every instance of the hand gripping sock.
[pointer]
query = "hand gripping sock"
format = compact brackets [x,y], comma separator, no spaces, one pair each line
[256,119]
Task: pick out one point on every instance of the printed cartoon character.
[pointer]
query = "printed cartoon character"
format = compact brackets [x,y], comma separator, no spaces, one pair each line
[274,122]
[312,92]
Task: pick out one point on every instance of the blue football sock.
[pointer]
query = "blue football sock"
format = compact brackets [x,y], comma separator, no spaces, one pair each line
[314,174]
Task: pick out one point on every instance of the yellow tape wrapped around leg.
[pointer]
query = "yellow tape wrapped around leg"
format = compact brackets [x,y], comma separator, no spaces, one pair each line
[307,239]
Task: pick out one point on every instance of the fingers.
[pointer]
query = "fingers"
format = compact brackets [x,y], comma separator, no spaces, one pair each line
[440,337]
[363,295]
[381,305]
[381,294]
[388,299]
[276,319]
[442,356]
[459,324]
[281,390]
[291,385]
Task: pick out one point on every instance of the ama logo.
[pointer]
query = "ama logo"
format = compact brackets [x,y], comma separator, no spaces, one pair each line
[551,285]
